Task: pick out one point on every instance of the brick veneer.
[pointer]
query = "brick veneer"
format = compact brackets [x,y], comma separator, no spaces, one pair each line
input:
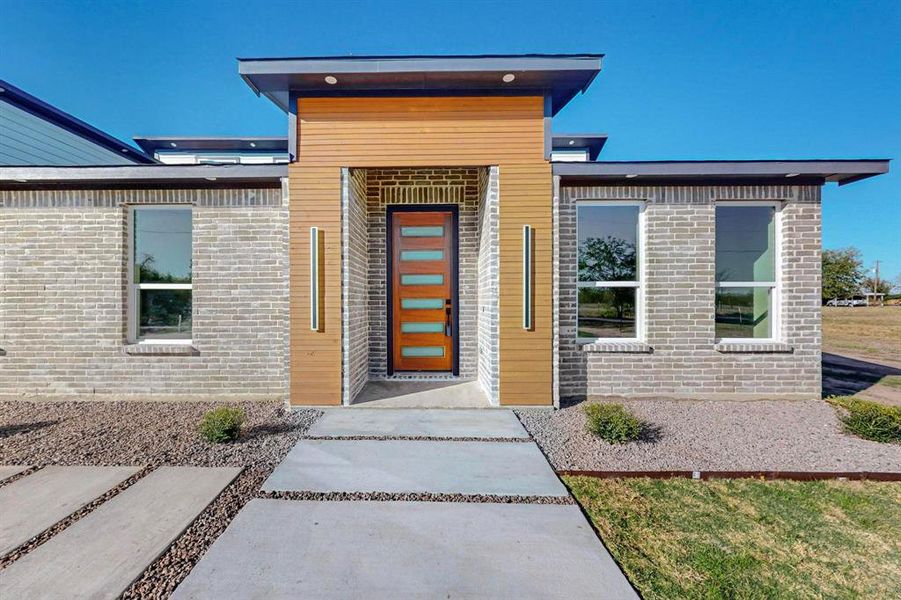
[62,306]
[488,303]
[679,356]
[355,283]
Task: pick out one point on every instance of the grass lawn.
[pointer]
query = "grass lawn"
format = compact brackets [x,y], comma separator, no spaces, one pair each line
[746,538]
[864,331]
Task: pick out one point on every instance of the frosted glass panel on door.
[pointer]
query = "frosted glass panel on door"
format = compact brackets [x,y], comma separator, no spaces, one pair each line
[422,254]
[422,279]
[422,351]
[436,231]
[422,327]
[422,303]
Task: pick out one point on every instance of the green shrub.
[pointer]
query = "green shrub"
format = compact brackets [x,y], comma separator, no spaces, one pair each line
[869,420]
[613,423]
[222,424]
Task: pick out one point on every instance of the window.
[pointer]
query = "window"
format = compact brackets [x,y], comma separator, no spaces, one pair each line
[610,239]
[746,263]
[160,274]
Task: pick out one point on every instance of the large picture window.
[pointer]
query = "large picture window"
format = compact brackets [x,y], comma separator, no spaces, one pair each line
[746,259]
[609,282]
[160,285]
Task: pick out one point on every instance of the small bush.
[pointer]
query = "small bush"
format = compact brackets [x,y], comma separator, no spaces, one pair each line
[870,420]
[222,424]
[613,423]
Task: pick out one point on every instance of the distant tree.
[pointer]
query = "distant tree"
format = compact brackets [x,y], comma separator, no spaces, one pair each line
[842,273]
[610,259]
[896,286]
[884,287]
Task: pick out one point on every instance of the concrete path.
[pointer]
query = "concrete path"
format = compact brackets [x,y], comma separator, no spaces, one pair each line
[287,549]
[7,471]
[502,468]
[100,555]
[34,503]
[419,422]
[387,549]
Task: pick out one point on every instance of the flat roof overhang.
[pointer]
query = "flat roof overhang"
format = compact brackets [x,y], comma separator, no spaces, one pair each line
[269,144]
[592,142]
[785,172]
[143,176]
[556,76]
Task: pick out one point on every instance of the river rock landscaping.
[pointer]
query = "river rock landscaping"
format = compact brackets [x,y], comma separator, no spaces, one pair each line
[712,435]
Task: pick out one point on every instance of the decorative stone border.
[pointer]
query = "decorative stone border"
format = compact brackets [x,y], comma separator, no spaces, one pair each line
[413,497]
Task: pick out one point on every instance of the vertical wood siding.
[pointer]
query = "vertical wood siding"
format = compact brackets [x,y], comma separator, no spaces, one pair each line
[421,132]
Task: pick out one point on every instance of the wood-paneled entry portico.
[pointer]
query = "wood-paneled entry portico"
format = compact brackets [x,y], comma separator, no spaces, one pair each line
[422,284]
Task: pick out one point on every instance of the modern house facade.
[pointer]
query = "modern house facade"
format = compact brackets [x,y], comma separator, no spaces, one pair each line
[428,225]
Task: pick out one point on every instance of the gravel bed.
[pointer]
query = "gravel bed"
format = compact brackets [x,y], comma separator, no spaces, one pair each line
[416,438]
[712,435]
[414,497]
[142,433]
[151,434]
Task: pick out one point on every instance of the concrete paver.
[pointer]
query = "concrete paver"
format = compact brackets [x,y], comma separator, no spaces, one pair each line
[503,468]
[101,554]
[419,422]
[34,503]
[7,471]
[290,549]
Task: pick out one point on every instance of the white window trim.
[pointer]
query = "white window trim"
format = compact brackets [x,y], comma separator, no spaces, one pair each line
[775,286]
[638,285]
[133,288]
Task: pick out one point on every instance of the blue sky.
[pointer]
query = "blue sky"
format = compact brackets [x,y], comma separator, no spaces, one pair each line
[717,80]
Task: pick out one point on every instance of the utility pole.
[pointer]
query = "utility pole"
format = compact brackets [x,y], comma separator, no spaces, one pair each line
[876,280]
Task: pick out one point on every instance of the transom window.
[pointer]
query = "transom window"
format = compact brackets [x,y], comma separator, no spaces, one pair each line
[746,283]
[610,238]
[160,286]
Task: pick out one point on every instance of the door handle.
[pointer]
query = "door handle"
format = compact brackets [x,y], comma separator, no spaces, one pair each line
[448,325]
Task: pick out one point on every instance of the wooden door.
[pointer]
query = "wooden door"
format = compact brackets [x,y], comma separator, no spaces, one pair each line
[423,286]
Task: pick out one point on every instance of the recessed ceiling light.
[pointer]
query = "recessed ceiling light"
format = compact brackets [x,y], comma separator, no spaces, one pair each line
[173,144]
[253,145]
[22,180]
[631,175]
[331,79]
[508,77]
[2,90]
[124,149]
[792,174]
[211,179]
[571,142]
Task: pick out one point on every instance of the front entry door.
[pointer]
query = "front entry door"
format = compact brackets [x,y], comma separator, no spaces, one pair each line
[423,284]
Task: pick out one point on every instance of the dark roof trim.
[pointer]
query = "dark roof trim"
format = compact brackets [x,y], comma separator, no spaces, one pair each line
[560,76]
[203,175]
[423,56]
[249,145]
[783,171]
[592,142]
[39,108]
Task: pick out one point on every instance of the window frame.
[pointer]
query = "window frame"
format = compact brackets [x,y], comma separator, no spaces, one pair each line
[775,287]
[133,289]
[638,284]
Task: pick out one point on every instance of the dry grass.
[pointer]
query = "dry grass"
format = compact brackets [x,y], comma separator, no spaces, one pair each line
[679,538]
[865,331]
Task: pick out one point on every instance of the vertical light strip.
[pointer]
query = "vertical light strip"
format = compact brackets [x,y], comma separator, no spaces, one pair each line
[526,277]
[314,278]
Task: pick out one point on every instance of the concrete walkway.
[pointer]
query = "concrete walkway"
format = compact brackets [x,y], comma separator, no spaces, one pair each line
[534,545]
[38,501]
[99,555]
[7,471]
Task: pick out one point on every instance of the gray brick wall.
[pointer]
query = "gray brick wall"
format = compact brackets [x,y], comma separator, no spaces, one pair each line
[679,356]
[355,282]
[488,267]
[63,301]
[424,186]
